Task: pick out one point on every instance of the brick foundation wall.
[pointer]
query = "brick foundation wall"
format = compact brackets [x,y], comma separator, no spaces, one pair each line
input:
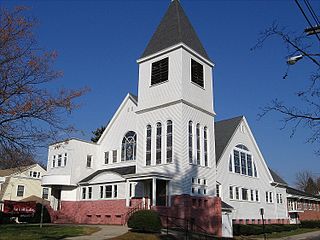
[259,221]
[309,215]
[203,211]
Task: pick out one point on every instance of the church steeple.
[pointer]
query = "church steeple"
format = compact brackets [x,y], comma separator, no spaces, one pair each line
[173,29]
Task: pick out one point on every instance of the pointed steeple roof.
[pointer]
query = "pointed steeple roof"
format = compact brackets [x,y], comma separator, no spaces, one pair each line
[174,28]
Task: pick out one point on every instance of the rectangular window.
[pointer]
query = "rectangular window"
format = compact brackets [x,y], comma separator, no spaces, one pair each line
[193,180]
[243,163]
[115,191]
[158,143]
[34,174]
[30,173]
[280,196]
[89,192]
[257,195]
[65,159]
[45,193]
[101,191]
[114,156]
[169,141]
[205,143]
[252,195]
[148,146]
[218,190]
[231,192]
[278,201]
[53,161]
[89,161]
[20,191]
[267,197]
[108,191]
[38,175]
[106,157]
[59,160]
[249,163]
[236,161]
[204,191]
[192,190]
[197,73]
[160,71]
[199,181]
[271,197]
[84,190]
[244,194]
[204,182]
[190,142]
[237,193]
[198,143]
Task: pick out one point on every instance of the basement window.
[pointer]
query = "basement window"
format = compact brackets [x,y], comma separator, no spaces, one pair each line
[160,71]
[197,73]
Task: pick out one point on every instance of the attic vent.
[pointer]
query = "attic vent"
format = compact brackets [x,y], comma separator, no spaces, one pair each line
[197,73]
[160,71]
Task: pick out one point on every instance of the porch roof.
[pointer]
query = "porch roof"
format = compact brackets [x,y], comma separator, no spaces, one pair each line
[149,175]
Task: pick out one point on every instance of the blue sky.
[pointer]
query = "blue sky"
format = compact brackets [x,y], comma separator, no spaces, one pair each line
[98,43]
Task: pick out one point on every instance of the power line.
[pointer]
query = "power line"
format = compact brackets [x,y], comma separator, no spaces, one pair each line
[314,16]
[304,14]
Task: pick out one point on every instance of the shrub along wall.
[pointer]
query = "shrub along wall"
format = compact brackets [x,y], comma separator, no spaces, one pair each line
[251,229]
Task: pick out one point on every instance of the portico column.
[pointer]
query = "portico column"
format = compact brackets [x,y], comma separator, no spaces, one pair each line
[154,191]
[127,193]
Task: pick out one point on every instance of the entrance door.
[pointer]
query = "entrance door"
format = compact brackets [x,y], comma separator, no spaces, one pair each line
[56,194]
[161,192]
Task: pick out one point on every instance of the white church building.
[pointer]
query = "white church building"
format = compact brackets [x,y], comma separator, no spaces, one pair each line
[162,149]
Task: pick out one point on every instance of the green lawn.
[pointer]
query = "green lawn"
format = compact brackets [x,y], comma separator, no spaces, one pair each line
[48,232]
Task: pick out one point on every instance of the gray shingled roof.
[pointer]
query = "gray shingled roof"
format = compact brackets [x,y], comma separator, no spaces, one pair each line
[225,205]
[174,28]
[120,170]
[294,191]
[224,131]
[277,178]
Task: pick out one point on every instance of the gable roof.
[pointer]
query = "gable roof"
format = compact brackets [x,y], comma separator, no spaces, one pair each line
[224,131]
[174,28]
[277,178]
[10,171]
[120,170]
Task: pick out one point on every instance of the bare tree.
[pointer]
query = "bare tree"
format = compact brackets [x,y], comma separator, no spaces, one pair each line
[30,113]
[305,182]
[307,115]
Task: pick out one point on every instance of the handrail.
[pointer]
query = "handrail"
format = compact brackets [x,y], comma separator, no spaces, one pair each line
[137,207]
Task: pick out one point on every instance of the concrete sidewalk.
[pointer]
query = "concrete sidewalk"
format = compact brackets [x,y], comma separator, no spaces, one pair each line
[106,232]
[305,236]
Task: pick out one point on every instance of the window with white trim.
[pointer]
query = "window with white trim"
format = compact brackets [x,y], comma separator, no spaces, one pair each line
[20,191]
[198,143]
[45,193]
[231,192]
[158,143]
[148,145]
[205,145]
[129,146]
[169,141]
[114,156]
[106,157]
[89,161]
[242,162]
[197,73]
[190,141]
[160,71]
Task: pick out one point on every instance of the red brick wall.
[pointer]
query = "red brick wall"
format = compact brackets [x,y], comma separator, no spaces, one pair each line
[204,211]
[309,215]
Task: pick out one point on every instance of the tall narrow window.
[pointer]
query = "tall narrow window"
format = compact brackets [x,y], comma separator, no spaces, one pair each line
[160,71]
[230,192]
[106,157]
[244,194]
[89,192]
[115,191]
[54,161]
[230,163]
[249,163]
[129,146]
[237,193]
[101,191]
[169,141]
[108,191]
[148,146]
[236,161]
[158,143]
[205,142]
[255,170]
[84,190]
[114,156]
[45,193]
[252,195]
[65,159]
[257,195]
[243,163]
[190,143]
[197,73]
[59,160]
[89,161]
[198,143]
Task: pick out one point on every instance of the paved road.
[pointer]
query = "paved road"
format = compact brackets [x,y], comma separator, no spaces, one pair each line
[106,232]
[306,236]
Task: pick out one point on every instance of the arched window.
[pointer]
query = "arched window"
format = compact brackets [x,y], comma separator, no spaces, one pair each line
[148,145]
[205,144]
[190,142]
[243,162]
[169,141]
[158,143]
[129,146]
[198,143]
